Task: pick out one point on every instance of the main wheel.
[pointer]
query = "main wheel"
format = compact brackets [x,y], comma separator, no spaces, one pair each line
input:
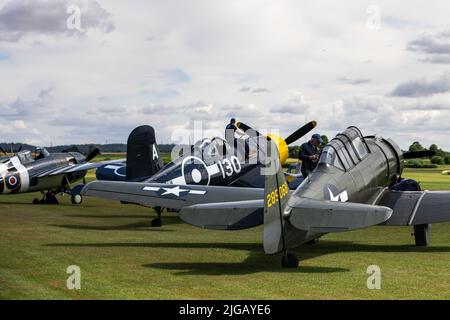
[313,241]
[36,201]
[156,222]
[51,199]
[422,234]
[289,261]
[76,199]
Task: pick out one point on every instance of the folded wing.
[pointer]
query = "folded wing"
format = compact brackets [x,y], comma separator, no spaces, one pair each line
[417,207]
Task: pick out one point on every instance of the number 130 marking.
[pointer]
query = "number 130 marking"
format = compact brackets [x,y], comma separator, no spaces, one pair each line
[230,166]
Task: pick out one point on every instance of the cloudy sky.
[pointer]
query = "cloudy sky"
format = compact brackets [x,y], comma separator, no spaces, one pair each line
[382,66]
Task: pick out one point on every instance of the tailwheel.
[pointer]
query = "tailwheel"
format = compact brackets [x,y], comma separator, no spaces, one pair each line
[422,234]
[289,261]
[157,222]
[36,201]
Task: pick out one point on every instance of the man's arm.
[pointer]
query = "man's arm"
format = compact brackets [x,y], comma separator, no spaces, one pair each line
[307,153]
[304,153]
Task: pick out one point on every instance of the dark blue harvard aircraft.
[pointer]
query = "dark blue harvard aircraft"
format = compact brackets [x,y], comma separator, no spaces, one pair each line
[211,162]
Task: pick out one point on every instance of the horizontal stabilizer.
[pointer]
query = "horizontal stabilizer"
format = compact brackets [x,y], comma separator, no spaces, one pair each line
[225,215]
[332,216]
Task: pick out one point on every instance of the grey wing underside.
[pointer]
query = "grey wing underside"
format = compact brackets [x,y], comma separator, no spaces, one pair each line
[77,167]
[417,207]
[168,195]
[226,215]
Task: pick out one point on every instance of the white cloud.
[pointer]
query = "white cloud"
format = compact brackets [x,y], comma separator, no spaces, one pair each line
[30,18]
[168,63]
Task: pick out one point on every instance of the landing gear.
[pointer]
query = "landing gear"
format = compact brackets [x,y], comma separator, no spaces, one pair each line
[157,222]
[48,198]
[289,261]
[422,234]
[75,195]
[313,241]
[76,199]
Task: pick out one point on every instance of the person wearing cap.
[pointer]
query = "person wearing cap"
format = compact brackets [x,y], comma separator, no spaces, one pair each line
[230,129]
[309,154]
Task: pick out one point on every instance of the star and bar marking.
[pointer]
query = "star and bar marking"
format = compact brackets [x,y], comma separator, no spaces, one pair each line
[176,191]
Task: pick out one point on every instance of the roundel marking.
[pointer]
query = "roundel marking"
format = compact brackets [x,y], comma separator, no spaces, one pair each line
[12,181]
[195,171]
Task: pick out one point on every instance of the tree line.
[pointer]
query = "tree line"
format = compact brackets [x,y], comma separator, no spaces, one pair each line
[441,157]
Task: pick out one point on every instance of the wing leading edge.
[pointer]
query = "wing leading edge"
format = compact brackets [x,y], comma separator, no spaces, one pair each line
[167,195]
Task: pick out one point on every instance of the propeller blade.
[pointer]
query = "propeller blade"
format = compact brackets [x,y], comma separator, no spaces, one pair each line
[2,150]
[93,154]
[245,128]
[418,154]
[301,132]
[20,149]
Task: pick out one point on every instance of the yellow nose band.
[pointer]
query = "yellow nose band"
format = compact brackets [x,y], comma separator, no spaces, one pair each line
[282,146]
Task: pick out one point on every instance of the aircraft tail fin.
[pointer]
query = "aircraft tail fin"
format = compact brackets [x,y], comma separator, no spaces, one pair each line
[276,195]
[143,156]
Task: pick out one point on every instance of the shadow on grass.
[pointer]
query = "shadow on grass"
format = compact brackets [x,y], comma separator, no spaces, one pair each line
[137,226]
[31,204]
[112,216]
[248,266]
[257,261]
[166,220]
[324,246]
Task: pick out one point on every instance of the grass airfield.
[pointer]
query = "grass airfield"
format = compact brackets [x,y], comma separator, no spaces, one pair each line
[122,257]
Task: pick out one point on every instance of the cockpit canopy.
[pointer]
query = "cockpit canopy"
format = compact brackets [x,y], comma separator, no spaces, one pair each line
[346,150]
[25,156]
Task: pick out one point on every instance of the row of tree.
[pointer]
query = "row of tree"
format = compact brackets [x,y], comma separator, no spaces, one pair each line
[441,157]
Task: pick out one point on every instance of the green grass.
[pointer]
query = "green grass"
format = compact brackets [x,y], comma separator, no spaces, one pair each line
[122,257]
[430,179]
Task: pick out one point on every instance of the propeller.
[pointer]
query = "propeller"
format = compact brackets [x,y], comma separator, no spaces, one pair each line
[92,154]
[3,150]
[289,140]
[281,143]
[301,132]
[418,154]
[14,152]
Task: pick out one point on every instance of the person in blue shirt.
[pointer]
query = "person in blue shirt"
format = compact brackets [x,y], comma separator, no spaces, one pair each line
[309,154]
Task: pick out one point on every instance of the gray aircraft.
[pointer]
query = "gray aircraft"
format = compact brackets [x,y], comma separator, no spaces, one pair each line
[49,173]
[212,162]
[357,184]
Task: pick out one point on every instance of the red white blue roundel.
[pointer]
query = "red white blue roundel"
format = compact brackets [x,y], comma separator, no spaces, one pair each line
[12,181]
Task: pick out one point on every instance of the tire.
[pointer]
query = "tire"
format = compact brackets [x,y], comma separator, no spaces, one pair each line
[313,241]
[289,261]
[36,201]
[422,234]
[76,199]
[156,223]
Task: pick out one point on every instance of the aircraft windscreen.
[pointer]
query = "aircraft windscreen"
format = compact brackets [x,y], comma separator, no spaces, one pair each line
[329,157]
[25,156]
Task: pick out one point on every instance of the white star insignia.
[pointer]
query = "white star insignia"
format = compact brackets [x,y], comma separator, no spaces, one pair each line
[175,191]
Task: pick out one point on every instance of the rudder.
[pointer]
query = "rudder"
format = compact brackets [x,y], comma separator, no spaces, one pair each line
[143,156]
